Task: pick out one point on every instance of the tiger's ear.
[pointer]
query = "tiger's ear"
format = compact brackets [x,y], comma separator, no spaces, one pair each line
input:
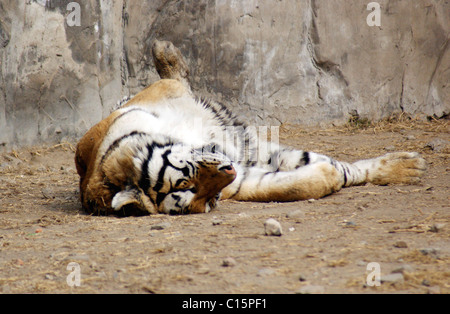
[126,197]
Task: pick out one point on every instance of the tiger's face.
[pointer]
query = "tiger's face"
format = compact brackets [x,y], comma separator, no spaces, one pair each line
[179,180]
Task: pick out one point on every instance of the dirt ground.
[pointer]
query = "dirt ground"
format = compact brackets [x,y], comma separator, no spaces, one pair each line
[325,247]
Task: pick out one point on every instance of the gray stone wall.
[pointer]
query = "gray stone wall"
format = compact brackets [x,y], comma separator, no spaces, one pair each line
[308,62]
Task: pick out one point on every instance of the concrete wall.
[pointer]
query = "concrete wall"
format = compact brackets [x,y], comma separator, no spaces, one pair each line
[307,62]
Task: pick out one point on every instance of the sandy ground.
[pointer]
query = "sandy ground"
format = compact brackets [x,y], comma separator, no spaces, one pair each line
[325,247]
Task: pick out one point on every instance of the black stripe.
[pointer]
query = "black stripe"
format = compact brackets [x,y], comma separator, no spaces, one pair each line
[222,113]
[246,147]
[192,168]
[263,176]
[333,163]
[160,197]
[177,199]
[345,173]
[305,158]
[245,175]
[267,173]
[116,143]
[144,181]
[159,183]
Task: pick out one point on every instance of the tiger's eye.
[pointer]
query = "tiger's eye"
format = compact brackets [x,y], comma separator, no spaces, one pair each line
[181,183]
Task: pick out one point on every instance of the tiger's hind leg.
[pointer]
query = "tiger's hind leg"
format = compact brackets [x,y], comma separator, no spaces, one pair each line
[298,175]
[169,62]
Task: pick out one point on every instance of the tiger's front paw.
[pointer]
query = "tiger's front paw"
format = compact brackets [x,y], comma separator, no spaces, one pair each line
[403,168]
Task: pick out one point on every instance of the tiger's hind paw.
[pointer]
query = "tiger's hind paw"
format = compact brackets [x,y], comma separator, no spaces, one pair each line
[403,168]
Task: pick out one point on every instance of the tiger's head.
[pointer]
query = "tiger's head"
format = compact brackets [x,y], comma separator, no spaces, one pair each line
[171,179]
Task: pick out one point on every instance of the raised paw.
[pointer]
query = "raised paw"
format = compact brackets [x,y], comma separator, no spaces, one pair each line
[169,62]
[404,168]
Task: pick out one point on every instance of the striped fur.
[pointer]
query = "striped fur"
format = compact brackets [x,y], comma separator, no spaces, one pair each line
[164,152]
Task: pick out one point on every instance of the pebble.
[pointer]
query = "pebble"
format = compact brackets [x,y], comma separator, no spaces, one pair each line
[437,145]
[311,289]
[389,148]
[426,283]
[243,215]
[229,262]
[295,214]
[392,278]
[272,227]
[160,226]
[216,222]
[361,263]
[400,244]
[437,227]
[265,272]
[48,193]
[410,137]
[430,251]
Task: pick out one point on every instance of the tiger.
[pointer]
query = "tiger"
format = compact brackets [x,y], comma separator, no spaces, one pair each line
[163,152]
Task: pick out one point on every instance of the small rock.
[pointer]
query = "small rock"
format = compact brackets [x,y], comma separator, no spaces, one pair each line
[295,214]
[430,252]
[311,200]
[437,145]
[160,226]
[48,193]
[392,278]
[272,227]
[216,222]
[302,278]
[437,227]
[229,262]
[361,263]
[311,289]
[389,148]
[400,244]
[426,283]
[410,137]
[243,215]
[265,272]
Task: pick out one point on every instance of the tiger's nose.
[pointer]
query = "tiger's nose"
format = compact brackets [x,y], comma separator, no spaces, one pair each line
[229,169]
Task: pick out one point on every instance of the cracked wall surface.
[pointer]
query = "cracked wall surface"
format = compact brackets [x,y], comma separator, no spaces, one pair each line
[309,62]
